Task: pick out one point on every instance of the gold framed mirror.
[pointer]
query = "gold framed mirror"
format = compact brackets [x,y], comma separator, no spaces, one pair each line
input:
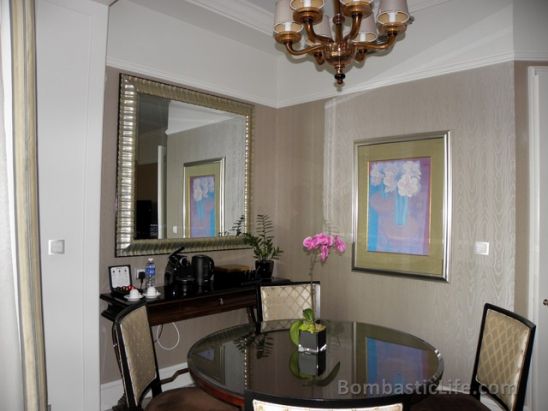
[183,169]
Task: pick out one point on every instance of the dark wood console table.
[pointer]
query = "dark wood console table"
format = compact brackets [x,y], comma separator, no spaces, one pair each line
[194,303]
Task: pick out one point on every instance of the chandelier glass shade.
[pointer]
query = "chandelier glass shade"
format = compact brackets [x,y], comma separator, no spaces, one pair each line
[339,44]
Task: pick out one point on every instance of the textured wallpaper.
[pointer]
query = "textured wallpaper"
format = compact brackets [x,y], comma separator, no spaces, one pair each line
[477,107]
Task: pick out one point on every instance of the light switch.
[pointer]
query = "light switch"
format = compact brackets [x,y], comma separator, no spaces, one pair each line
[175,229]
[481,248]
[56,247]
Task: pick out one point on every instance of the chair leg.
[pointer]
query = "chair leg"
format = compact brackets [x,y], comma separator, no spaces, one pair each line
[122,404]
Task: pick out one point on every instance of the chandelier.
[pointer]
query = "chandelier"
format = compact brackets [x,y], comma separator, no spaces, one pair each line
[339,49]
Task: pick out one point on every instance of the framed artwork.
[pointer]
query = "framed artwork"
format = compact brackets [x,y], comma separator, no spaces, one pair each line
[203,197]
[402,205]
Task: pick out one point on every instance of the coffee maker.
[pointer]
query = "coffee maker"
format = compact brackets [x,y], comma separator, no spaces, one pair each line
[178,269]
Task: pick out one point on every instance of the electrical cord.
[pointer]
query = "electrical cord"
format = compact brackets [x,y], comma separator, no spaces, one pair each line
[159,331]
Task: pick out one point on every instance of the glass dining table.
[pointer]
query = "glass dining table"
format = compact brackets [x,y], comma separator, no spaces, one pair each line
[363,364]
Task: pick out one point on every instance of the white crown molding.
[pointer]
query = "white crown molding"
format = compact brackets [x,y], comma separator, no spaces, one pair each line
[106,2]
[531,56]
[257,18]
[240,11]
[188,81]
[405,78]
[416,5]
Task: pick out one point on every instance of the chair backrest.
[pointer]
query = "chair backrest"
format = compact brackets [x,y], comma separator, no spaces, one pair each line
[503,357]
[262,402]
[134,349]
[287,302]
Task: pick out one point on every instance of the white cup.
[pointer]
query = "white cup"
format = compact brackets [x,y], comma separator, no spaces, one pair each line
[134,293]
[151,292]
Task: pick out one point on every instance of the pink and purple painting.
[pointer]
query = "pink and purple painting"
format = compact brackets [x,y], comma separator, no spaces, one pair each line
[202,206]
[399,206]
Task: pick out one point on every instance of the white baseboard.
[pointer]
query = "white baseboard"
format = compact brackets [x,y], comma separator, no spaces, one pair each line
[111,392]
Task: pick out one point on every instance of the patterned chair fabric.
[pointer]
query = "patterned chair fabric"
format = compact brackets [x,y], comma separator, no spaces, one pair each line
[137,359]
[270,406]
[502,355]
[135,339]
[500,369]
[287,302]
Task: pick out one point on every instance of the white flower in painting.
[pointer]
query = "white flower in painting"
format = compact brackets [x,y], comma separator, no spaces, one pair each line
[197,192]
[412,168]
[210,181]
[408,186]
[202,187]
[376,174]
[390,177]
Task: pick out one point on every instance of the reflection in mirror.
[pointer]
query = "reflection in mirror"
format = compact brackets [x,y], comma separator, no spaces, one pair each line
[183,168]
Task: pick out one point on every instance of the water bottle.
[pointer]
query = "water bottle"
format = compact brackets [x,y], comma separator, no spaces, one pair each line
[150,271]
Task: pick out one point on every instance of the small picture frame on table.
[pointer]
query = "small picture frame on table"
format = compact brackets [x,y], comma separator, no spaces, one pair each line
[119,279]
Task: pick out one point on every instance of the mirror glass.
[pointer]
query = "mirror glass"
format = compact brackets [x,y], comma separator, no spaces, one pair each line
[183,168]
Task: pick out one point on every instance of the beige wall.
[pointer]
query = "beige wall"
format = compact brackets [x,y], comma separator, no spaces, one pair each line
[292,166]
[477,107]
[212,141]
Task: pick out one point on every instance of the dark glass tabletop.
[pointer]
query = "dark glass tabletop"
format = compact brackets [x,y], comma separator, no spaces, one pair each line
[362,361]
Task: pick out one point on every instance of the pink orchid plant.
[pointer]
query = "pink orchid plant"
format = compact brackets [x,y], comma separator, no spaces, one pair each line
[320,245]
[323,243]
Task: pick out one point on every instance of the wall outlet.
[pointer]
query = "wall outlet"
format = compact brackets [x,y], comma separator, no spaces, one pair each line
[481,248]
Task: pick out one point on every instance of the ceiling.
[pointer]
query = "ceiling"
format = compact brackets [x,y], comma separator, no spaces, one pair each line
[246,21]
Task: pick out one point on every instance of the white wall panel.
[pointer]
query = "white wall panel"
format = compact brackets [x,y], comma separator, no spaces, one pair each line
[71,48]
[154,44]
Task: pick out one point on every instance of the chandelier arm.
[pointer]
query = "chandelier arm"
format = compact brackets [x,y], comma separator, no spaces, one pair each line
[312,36]
[356,22]
[377,46]
[338,20]
[307,50]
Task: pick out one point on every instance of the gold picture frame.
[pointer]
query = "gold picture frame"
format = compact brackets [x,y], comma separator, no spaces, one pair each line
[402,206]
[203,190]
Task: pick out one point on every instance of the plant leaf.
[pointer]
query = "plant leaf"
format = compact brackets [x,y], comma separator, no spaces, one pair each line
[294,331]
[308,314]
[330,377]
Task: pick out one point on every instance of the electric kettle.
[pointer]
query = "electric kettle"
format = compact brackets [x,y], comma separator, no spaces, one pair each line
[202,267]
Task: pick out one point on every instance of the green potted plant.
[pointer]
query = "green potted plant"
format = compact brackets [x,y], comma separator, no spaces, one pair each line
[262,243]
[308,334]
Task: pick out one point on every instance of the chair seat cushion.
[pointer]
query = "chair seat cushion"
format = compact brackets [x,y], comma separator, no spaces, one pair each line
[449,402]
[187,399]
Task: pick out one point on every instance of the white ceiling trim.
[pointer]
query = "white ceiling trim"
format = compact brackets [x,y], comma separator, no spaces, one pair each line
[416,75]
[416,5]
[257,18]
[240,11]
[186,80]
[530,56]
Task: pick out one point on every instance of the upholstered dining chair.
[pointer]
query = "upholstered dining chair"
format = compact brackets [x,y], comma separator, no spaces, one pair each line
[501,366]
[287,301]
[136,356]
[262,402]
